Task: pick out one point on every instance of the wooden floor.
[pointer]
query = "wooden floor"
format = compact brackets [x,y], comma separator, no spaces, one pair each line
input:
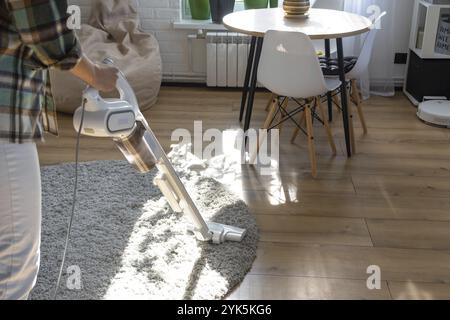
[387,206]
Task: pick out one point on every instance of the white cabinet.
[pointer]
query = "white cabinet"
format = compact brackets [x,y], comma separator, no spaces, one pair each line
[428,72]
[425,24]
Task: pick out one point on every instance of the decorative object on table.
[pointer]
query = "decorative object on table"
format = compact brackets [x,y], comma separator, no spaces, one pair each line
[200,9]
[443,35]
[256,4]
[220,8]
[273,3]
[296,8]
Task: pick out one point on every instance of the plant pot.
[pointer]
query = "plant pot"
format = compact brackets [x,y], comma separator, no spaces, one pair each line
[220,8]
[200,9]
[256,4]
[273,3]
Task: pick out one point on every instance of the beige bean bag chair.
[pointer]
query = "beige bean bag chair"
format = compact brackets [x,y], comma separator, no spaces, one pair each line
[113,31]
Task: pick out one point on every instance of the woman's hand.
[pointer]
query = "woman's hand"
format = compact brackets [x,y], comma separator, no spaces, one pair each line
[101,77]
[105,78]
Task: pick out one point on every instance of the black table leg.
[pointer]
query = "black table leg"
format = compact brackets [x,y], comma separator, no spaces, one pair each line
[251,58]
[254,78]
[344,101]
[329,98]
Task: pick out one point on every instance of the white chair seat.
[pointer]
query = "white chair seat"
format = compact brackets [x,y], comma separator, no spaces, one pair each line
[289,67]
[332,83]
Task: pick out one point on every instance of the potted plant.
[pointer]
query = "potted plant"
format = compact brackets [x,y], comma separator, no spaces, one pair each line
[256,4]
[200,9]
[220,8]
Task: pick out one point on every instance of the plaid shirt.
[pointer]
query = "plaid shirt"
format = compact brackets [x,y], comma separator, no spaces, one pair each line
[33,38]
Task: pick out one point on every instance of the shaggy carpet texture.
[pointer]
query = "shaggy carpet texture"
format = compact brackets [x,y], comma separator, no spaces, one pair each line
[127,242]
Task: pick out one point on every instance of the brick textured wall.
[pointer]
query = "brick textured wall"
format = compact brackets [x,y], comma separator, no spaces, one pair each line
[157,17]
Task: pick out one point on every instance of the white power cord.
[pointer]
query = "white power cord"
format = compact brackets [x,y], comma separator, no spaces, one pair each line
[74,199]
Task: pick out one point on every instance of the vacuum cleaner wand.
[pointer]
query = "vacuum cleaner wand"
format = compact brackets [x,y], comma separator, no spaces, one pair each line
[121,120]
[180,201]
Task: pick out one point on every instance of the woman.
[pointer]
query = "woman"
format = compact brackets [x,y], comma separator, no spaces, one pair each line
[34,37]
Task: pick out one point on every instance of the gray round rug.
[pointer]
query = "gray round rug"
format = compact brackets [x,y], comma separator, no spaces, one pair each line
[128,244]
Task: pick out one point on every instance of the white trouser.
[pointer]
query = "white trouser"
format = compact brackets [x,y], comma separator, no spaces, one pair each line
[20,219]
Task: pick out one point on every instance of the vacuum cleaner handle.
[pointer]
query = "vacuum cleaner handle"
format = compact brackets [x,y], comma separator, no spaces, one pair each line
[125,90]
[123,87]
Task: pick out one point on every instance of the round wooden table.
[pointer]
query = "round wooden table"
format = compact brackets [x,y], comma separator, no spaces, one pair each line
[319,24]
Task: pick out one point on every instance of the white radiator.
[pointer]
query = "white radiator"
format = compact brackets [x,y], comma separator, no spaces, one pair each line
[226,59]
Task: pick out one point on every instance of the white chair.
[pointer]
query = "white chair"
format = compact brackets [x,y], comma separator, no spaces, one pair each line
[329,4]
[289,68]
[360,67]
[319,45]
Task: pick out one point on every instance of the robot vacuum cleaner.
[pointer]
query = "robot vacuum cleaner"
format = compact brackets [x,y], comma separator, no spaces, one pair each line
[435,112]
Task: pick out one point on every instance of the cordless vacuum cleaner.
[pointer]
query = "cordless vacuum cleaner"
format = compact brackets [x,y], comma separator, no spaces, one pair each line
[121,120]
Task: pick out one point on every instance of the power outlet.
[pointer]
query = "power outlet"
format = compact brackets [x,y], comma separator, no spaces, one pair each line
[401,58]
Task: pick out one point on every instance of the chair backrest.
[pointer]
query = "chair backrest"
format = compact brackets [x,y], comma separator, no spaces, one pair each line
[365,56]
[289,65]
[329,4]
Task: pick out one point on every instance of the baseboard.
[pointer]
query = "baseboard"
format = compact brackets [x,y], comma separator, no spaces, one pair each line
[184,78]
[192,80]
[399,82]
[183,84]
[203,85]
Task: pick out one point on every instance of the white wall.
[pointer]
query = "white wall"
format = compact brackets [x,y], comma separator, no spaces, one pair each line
[403,19]
[157,16]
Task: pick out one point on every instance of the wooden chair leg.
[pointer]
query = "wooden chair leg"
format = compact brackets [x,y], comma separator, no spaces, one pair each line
[272,111]
[351,126]
[266,126]
[327,126]
[269,104]
[311,147]
[357,100]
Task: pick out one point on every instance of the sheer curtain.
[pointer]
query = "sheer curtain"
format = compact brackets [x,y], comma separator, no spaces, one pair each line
[379,79]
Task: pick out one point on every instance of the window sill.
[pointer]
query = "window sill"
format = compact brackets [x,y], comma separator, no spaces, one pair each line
[191,24]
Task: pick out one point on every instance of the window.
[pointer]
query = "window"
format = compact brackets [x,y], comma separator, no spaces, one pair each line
[186,11]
